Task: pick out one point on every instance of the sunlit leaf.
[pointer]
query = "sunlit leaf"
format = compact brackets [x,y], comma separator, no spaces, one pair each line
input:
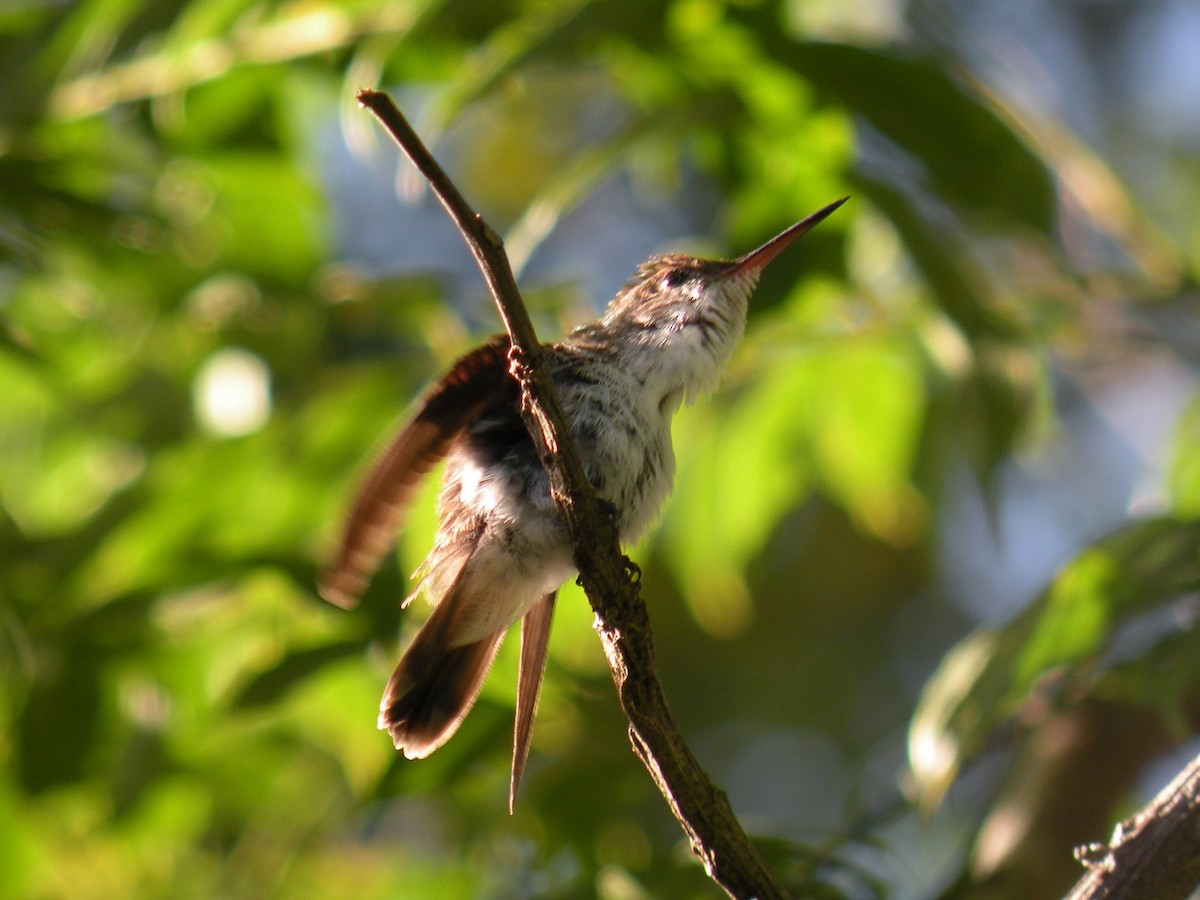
[843,419]
[1061,646]
[1183,478]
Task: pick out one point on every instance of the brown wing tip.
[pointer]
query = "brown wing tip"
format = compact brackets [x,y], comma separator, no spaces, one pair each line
[513,785]
[404,741]
[341,588]
[433,689]
[415,739]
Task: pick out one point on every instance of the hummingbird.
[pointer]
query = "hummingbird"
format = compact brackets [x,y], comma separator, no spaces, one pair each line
[501,551]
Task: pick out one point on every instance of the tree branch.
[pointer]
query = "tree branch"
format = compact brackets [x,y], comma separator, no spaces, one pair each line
[1154,854]
[605,573]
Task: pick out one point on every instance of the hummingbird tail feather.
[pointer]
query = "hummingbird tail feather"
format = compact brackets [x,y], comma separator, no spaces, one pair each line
[433,689]
[535,638]
[436,681]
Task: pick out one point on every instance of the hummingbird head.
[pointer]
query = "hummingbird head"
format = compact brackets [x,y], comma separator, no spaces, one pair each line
[695,309]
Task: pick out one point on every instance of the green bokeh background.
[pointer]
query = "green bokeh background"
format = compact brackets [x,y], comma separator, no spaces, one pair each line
[181,716]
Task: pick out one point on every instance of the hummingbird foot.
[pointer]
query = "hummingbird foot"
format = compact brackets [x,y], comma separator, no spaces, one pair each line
[632,569]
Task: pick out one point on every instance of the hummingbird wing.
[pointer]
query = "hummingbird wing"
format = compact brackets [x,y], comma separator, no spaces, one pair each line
[535,637]
[444,411]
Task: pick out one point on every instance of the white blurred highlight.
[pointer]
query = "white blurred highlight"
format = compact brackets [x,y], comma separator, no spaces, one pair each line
[232,393]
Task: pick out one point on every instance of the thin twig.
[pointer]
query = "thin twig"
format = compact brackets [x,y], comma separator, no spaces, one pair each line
[605,573]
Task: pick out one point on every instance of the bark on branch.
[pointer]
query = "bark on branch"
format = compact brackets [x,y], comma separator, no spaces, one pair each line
[1154,854]
[606,574]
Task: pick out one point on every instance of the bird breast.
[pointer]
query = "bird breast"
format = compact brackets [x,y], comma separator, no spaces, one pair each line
[623,432]
[621,426]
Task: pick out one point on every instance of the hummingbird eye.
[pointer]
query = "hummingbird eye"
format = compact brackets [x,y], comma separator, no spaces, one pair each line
[674,278]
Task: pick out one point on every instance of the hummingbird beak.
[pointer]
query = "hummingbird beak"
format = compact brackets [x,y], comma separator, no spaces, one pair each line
[757,259]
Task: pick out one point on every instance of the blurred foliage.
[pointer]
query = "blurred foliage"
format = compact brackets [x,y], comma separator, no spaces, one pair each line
[1117,622]
[194,360]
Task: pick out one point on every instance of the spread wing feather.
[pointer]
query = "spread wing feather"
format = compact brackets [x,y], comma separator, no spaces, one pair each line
[446,409]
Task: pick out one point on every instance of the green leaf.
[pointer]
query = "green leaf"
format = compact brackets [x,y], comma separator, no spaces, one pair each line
[1183,474]
[297,667]
[1074,617]
[1057,647]
[506,48]
[843,418]
[980,165]
[268,216]
[960,289]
